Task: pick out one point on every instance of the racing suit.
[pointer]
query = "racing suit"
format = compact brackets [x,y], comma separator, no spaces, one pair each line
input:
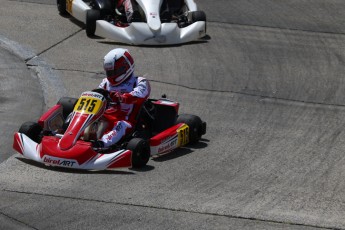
[131,8]
[127,4]
[131,94]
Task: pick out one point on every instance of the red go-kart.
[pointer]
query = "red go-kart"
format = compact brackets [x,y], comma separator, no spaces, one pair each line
[63,136]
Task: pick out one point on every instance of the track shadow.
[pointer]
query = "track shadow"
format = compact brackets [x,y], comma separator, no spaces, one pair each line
[75,21]
[74,171]
[147,168]
[203,40]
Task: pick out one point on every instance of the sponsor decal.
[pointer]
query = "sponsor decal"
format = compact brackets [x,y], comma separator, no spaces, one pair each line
[168,146]
[92,94]
[110,135]
[168,138]
[153,14]
[59,161]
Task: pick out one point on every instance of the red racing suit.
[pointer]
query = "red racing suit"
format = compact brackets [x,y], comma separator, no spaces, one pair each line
[133,92]
[127,4]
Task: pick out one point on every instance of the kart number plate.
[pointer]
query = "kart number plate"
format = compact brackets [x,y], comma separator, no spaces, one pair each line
[183,135]
[88,105]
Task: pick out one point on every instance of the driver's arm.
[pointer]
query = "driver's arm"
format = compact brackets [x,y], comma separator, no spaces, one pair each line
[140,92]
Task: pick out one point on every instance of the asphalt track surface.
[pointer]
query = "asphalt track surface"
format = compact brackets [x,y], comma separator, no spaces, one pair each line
[269,82]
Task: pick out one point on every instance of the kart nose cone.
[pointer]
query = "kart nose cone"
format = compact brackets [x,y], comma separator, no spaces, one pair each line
[154,22]
[161,39]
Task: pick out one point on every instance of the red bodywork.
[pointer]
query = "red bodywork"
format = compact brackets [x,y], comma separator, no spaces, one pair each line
[70,150]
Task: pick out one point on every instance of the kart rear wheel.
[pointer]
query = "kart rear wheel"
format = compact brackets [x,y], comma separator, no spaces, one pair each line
[140,152]
[67,104]
[197,127]
[91,17]
[32,130]
[61,6]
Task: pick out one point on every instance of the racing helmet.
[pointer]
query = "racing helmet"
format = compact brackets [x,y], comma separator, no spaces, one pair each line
[118,65]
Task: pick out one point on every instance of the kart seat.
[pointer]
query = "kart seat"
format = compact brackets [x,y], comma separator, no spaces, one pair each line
[170,8]
[175,6]
[155,117]
[165,117]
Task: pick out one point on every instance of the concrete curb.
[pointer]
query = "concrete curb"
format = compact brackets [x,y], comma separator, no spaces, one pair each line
[52,84]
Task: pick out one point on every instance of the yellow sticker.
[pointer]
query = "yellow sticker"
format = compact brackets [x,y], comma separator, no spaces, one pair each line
[88,105]
[69,4]
[183,135]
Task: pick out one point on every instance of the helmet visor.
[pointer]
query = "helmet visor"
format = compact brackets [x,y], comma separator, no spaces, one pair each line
[116,72]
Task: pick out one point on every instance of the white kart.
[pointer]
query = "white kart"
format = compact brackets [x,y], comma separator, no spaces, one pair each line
[154,22]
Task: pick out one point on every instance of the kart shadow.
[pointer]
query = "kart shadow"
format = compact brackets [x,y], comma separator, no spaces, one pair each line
[74,171]
[146,168]
[73,20]
[181,151]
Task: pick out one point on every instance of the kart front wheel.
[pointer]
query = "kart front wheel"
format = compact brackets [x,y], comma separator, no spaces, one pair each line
[140,152]
[32,130]
[91,17]
[197,16]
[197,127]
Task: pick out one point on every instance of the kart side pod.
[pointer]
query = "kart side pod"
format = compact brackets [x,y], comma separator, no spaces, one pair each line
[170,139]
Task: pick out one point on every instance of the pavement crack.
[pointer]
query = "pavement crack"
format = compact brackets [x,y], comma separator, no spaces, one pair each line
[16,220]
[168,209]
[32,2]
[262,97]
[52,46]
[277,28]
[251,95]
[76,70]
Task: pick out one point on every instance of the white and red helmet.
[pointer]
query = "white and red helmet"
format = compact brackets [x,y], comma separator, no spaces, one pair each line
[118,66]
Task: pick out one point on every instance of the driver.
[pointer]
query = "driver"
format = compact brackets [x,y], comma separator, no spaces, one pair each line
[132,12]
[128,90]
[128,8]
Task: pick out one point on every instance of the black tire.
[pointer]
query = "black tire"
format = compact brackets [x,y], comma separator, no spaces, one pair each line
[91,17]
[67,104]
[61,6]
[32,130]
[197,16]
[140,152]
[196,126]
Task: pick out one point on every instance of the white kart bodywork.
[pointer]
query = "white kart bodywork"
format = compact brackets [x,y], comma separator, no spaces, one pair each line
[141,33]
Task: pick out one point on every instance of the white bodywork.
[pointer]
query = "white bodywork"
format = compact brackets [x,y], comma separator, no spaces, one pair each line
[140,33]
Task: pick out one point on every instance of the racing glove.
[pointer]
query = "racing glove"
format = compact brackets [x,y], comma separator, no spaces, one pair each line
[116,97]
[126,98]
